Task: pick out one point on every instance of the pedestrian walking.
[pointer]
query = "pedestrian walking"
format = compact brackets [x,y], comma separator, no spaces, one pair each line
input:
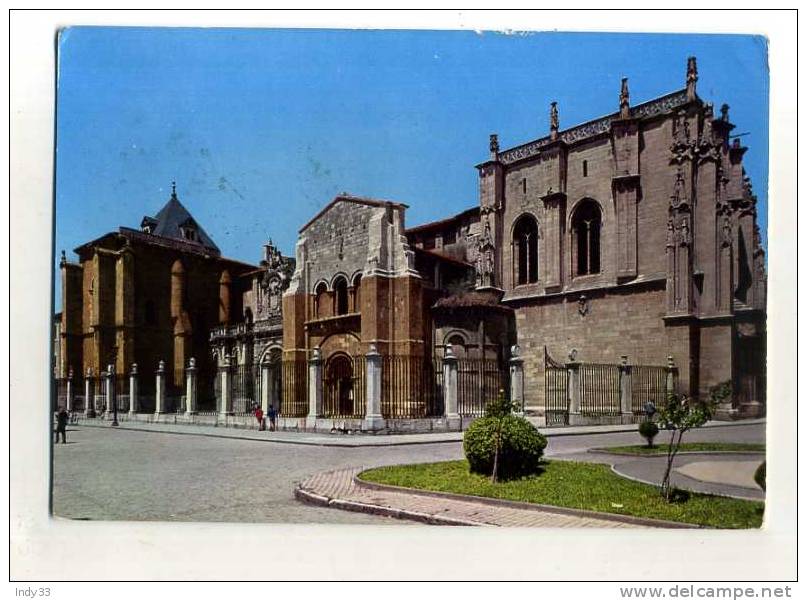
[259,417]
[62,418]
[272,418]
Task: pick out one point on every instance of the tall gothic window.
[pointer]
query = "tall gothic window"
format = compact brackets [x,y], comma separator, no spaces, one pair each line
[525,250]
[586,226]
[340,293]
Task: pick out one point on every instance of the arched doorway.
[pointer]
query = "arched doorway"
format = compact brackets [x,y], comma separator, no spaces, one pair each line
[338,386]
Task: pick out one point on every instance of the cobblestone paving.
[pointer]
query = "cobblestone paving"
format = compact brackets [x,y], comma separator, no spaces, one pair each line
[339,484]
[106,474]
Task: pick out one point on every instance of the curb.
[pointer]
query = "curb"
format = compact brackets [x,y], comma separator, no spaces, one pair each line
[698,492]
[584,513]
[307,496]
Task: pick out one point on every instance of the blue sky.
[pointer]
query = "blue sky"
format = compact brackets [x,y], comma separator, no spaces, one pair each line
[261,128]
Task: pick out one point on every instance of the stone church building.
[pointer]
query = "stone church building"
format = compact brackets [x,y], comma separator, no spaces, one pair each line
[141,296]
[605,264]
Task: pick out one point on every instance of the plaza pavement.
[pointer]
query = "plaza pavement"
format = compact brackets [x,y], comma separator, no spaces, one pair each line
[233,475]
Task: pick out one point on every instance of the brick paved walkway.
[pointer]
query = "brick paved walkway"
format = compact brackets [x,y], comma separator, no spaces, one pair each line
[338,489]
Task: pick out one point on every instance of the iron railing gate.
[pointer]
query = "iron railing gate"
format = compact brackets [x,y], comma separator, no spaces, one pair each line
[599,389]
[411,387]
[648,383]
[294,388]
[344,386]
[246,388]
[479,381]
[556,392]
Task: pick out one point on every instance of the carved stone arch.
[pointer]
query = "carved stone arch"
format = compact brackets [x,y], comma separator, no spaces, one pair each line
[336,276]
[318,284]
[271,353]
[339,285]
[356,277]
[574,207]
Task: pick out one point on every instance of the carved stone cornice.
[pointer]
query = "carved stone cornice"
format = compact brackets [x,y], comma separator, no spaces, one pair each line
[590,129]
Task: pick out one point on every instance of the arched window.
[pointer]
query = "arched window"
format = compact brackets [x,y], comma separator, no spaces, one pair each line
[586,226]
[525,250]
[457,343]
[340,294]
[248,315]
[319,299]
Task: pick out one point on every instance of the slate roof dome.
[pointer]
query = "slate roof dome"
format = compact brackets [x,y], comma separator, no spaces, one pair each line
[175,221]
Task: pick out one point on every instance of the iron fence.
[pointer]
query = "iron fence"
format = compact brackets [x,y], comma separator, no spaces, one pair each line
[411,387]
[479,381]
[599,389]
[294,388]
[246,388]
[648,383]
[556,392]
[344,386]
[122,396]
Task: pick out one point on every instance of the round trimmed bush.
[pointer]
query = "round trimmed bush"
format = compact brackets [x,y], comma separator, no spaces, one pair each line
[521,450]
[648,430]
[759,476]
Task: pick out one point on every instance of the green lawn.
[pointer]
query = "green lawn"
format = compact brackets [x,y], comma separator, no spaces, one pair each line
[702,447]
[578,485]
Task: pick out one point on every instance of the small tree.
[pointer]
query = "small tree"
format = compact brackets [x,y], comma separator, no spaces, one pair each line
[498,410]
[680,414]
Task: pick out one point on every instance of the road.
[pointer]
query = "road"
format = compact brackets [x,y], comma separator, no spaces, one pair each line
[107,474]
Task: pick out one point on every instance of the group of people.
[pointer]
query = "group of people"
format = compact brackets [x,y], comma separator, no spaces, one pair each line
[271,414]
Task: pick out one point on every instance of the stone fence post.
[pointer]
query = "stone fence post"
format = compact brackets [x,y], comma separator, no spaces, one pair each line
[373,419]
[69,400]
[573,369]
[672,375]
[314,388]
[89,394]
[110,389]
[452,415]
[265,385]
[190,388]
[517,379]
[226,407]
[134,401]
[159,389]
[626,386]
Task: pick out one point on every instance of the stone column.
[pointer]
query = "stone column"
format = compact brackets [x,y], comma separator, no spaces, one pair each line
[672,373]
[159,389]
[134,401]
[190,387]
[314,388]
[452,415]
[89,394]
[573,369]
[110,389]
[517,380]
[373,419]
[226,407]
[625,386]
[265,385]
[69,401]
